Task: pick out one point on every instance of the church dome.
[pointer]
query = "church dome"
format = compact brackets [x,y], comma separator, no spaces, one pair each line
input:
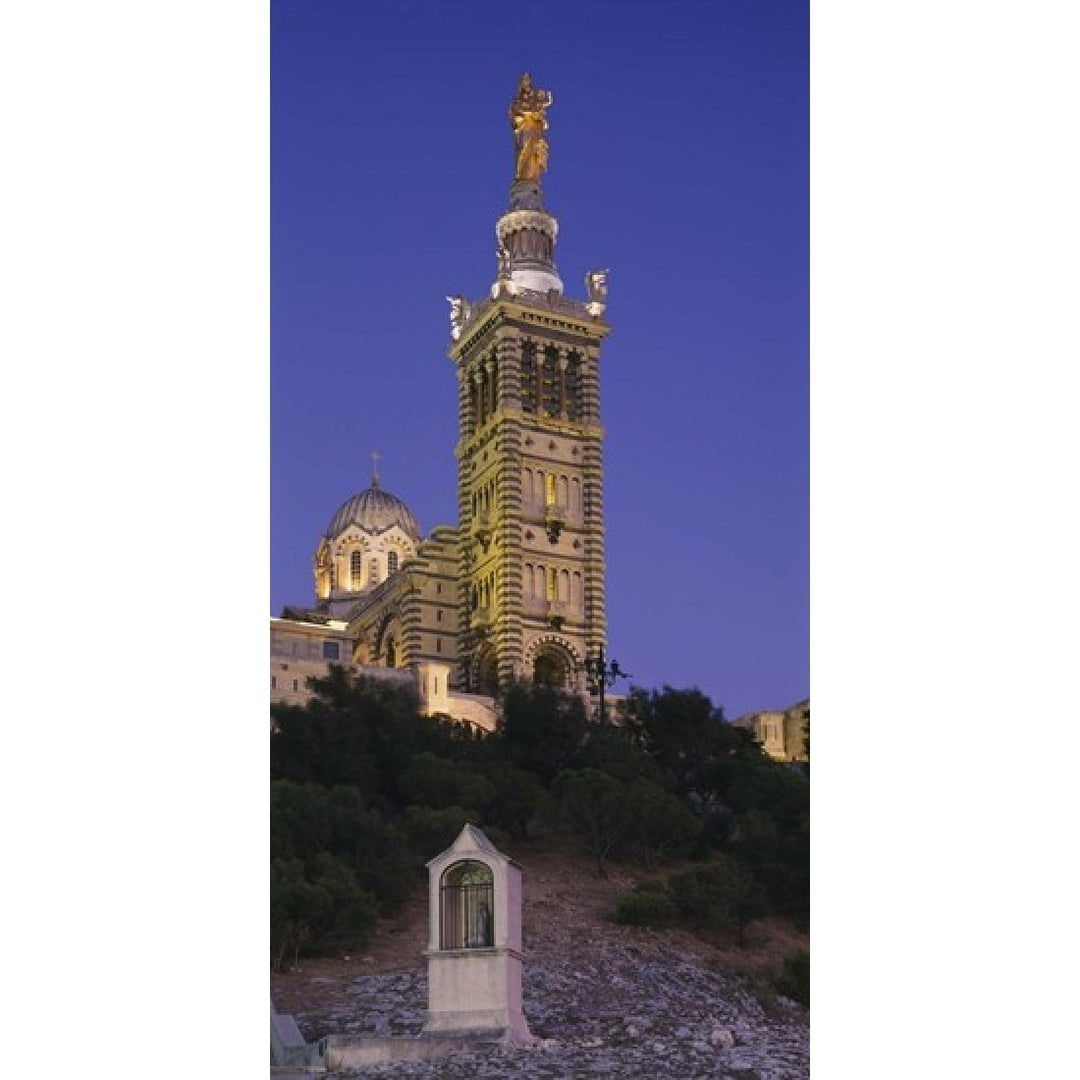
[374,511]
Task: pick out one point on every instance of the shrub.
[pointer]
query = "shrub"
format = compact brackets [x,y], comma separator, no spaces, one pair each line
[794,978]
[317,907]
[646,909]
[721,895]
[650,885]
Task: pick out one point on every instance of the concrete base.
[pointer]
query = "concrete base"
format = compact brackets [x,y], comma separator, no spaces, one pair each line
[487,980]
[288,1048]
[353,1051]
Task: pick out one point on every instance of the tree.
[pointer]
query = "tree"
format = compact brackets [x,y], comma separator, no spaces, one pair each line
[598,809]
[519,799]
[356,730]
[430,780]
[778,853]
[542,729]
[663,826]
[685,737]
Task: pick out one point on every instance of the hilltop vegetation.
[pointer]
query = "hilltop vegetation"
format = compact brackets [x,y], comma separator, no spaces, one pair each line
[364,791]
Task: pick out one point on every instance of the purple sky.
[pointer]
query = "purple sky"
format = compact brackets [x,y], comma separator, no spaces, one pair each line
[679,158]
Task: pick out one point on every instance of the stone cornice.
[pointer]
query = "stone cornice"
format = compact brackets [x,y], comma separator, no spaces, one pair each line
[505,419]
[551,312]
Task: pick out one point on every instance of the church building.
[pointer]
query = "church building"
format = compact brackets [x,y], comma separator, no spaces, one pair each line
[516,589]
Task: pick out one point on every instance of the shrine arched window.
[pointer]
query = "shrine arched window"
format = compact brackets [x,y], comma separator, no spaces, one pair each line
[467,907]
[356,568]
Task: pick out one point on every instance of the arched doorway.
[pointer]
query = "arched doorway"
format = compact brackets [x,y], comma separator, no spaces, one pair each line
[552,668]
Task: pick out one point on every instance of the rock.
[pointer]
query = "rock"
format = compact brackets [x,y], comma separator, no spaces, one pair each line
[721,1039]
[599,1008]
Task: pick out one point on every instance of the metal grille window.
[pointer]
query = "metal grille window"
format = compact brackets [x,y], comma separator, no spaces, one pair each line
[466,907]
[392,562]
[528,377]
[572,385]
[550,383]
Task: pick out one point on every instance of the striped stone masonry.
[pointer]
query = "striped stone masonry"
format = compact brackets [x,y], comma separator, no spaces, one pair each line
[556,609]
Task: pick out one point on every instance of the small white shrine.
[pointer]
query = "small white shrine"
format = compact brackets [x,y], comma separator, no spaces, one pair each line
[474,942]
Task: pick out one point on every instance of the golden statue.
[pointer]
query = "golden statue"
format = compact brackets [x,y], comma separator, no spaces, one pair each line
[529,123]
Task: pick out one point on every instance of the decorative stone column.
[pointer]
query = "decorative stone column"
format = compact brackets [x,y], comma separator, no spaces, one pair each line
[474,943]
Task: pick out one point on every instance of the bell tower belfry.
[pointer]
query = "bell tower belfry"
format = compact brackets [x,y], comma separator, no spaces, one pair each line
[530,477]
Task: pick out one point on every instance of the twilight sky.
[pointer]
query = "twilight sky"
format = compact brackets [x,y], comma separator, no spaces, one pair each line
[680,160]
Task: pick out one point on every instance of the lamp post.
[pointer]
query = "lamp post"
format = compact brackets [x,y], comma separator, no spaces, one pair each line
[600,675]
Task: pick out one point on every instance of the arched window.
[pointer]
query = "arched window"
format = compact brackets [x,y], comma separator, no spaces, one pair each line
[392,562]
[391,653]
[356,568]
[373,572]
[549,489]
[467,907]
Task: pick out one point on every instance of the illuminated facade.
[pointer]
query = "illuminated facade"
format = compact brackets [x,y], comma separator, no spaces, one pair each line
[516,590]
[782,733]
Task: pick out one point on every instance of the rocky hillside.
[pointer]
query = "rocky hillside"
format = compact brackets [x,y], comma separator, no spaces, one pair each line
[602,999]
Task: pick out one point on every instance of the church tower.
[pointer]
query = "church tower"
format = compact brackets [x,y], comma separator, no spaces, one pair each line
[530,477]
